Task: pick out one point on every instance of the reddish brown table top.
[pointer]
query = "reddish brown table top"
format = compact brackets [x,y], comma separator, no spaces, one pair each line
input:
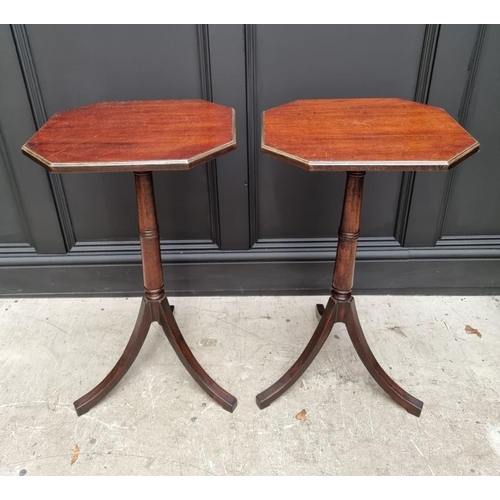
[134,136]
[365,134]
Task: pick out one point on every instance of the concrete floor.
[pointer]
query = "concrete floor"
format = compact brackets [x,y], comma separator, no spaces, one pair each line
[159,422]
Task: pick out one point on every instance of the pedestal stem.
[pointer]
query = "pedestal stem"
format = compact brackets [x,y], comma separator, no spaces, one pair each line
[149,236]
[343,274]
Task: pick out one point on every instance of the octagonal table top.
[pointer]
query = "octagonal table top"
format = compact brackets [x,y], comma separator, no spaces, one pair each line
[365,134]
[134,136]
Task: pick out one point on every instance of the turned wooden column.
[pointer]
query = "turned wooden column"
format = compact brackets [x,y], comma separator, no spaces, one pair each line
[357,135]
[140,137]
[149,236]
[343,274]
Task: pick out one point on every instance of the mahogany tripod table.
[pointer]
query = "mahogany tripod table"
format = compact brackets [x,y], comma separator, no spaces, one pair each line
[140,137]
[358,135]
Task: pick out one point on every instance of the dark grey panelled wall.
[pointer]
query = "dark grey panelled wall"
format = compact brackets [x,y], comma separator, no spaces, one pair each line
[329,64]
[247,223]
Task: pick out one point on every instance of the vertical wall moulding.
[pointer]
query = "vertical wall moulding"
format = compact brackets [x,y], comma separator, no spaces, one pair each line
[463,112]
[206,93]
[4,154]
[34,93]
[424,78]
[252,130]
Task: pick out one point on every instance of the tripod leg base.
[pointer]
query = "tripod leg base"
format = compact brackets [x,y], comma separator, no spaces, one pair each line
[407,401]
[265,398]
[162,312]
[201,377]
[85,403]
[345,312]
[154,307]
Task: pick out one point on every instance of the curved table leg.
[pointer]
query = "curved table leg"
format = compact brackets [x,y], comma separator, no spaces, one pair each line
[265,398]
[407,401]
[85,403]
[320,309]
[174,335]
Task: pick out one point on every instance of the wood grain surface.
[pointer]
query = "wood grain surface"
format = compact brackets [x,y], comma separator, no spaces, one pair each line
[365,134]
[341,309]
[154,307]
[134,136]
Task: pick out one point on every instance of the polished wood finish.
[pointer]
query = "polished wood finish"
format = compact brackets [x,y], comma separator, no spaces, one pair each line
[139,334]
[364,135]
[358,135]
[149,236]
[341,309]
[349,316]
[340,312]
[343,274]
[154,307]
[174,336]
[134,136]
[325,325]
[140,136]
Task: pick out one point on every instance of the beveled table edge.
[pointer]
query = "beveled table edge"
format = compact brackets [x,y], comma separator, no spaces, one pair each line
[135,166]
[366,165]
[344,166]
